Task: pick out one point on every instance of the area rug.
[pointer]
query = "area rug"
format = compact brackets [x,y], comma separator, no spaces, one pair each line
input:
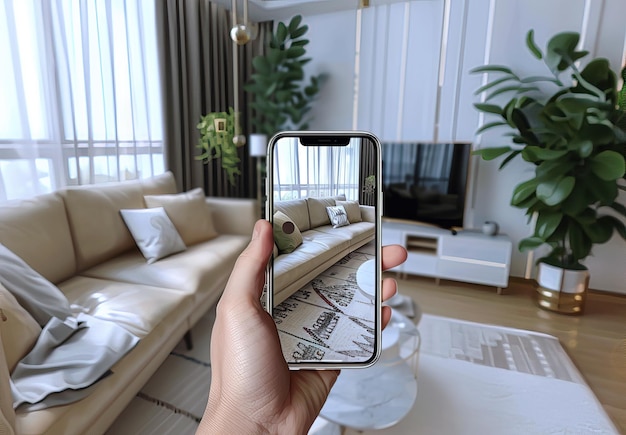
[173,400]
[472,378]
[329,318]
[475,378]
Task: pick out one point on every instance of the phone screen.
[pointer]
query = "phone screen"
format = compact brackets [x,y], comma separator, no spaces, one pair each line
[324,276]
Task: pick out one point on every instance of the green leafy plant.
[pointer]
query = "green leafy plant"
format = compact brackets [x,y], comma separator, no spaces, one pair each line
[370,184]
[217,131]
[572,130]
[282,98]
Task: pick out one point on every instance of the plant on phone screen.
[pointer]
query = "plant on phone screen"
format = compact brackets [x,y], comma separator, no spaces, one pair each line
[281,96]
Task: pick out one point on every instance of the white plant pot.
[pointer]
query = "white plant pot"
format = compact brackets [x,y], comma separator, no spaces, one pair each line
[562,290]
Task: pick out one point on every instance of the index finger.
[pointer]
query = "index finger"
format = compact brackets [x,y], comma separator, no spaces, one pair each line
[393,255]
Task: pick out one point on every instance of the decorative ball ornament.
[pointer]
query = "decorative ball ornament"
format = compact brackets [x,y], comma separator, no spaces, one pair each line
[239,140]
[240,34]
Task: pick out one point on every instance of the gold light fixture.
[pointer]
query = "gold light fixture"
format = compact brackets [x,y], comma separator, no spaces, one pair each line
[243,32]
[240,34]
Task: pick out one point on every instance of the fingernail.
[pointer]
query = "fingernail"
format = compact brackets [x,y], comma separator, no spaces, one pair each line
[256,231]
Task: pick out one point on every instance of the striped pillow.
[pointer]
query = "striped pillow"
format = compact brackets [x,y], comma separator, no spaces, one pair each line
[338,216]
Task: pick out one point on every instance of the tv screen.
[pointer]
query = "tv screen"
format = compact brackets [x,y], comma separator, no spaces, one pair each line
[425,182]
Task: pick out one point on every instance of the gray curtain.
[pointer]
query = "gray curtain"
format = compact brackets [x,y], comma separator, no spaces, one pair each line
[196,63]
[367,167]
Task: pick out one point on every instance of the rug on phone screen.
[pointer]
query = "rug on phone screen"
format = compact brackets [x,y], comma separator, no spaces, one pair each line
[329,318]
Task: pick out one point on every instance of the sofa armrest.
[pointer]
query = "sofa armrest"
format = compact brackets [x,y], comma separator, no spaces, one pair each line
[7,414]
[233,215]
[368,213]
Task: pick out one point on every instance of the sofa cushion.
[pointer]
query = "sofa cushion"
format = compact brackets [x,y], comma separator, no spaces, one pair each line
[37,230]
[98,230]
[154,233]
[357,233]
[353,209]
[18,329]
[136,307]
[297,210]
[206,267]
[316,249]
[189,212]
[36,294]
[161,184]
[111,395]
[287,236]
[338,216]
[317,209]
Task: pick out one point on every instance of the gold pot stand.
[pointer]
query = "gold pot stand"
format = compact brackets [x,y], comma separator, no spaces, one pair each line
[562,290]
[561,302]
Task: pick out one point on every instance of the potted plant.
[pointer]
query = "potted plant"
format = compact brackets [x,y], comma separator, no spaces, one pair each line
[571,126]
[281,97]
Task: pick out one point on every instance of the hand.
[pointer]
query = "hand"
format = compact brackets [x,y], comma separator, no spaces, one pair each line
[252,389]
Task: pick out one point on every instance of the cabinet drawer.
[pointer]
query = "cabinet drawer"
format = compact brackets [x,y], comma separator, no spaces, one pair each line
[481,249]
[475,273]
[421,264]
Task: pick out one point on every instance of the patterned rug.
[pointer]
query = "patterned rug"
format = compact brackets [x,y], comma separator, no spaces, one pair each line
[173,400]
[329,318]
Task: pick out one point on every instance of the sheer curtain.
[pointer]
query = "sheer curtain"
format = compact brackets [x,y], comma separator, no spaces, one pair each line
[301,171]
[80,91]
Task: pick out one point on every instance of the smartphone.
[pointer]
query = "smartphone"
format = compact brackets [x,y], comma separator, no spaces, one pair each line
[324,277]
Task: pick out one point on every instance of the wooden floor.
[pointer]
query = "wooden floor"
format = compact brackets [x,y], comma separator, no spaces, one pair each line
[595,341]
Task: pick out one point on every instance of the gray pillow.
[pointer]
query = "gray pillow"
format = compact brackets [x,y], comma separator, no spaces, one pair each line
[353,210]
[35,294]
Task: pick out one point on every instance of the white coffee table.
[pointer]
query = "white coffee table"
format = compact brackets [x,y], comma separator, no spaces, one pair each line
[381,395]
[366,279]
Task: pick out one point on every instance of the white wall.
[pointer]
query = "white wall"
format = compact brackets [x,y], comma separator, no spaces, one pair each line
[398,93]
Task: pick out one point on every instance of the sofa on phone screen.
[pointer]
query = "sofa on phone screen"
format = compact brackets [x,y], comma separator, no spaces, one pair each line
[307,243]
[79,244]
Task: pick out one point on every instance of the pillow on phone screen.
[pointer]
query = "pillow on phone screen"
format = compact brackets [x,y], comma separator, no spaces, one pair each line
[287,236]
[338,216]
[353,210]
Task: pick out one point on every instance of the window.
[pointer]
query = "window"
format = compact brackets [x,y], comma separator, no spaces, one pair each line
[320,171]
[81,94]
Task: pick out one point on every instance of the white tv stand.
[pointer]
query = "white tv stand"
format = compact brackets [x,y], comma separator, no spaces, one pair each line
[469,256]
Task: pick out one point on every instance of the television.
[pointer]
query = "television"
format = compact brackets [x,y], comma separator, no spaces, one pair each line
[425,182]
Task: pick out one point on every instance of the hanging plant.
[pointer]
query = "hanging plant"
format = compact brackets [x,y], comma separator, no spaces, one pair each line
[219,140]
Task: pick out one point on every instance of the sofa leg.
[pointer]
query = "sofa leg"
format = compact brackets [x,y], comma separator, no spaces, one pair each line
[188,341]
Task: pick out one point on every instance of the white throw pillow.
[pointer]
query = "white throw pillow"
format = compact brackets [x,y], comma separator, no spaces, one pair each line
[338,216]
[153,232]
[190,214]
[36,294]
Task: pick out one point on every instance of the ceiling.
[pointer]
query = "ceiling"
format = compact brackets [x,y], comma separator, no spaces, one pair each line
[265,10]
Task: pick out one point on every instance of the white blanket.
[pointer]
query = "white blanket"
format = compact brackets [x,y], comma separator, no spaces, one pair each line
[69,356]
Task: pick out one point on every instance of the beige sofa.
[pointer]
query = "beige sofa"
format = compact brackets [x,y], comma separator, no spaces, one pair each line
[322,244]
[76,239]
